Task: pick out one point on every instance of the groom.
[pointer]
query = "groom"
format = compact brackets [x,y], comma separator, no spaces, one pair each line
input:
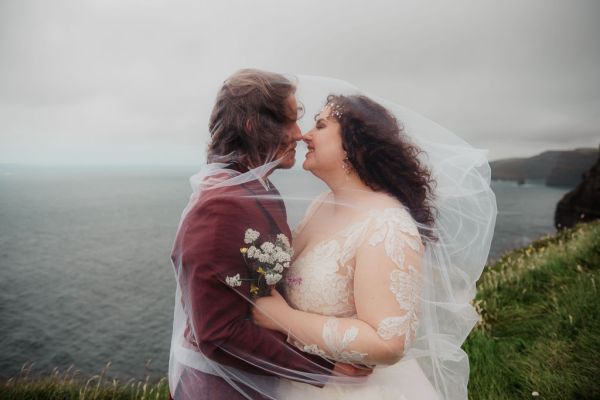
[253,122]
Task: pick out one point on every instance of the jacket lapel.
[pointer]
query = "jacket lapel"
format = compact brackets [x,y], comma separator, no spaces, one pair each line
[271,205]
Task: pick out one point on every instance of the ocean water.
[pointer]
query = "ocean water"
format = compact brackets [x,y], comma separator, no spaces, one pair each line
[85,276]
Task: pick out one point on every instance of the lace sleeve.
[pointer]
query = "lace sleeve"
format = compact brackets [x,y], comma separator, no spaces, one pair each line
[388,279]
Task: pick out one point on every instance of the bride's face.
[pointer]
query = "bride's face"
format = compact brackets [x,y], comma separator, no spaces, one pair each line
[325,152]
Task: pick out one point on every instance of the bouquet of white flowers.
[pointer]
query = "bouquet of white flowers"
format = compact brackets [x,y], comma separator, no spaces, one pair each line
[266,262]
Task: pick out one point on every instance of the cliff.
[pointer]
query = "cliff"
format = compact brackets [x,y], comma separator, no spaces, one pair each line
[581,204]
[555,168]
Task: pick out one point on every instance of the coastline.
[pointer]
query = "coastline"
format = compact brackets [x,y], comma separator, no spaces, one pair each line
[539,331]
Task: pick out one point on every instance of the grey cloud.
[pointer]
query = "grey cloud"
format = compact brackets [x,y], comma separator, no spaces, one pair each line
[514,77]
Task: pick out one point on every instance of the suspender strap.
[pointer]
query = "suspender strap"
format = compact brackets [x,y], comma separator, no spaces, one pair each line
[272,223]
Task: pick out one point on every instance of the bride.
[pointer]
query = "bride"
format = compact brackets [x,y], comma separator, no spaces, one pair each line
[354,288]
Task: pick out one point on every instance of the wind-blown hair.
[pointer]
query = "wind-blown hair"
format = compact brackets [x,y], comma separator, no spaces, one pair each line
[250,116]
[383,156]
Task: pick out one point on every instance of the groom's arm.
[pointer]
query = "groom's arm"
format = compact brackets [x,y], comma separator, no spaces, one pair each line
[220,321]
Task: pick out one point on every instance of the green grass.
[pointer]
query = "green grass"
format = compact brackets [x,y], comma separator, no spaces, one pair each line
[539,332]
[540,321]
[70,384]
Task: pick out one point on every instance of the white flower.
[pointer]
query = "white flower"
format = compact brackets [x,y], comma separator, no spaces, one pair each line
[234,281]
[278,268]
[252,252]
[267,247]
[250,236]
[283,257]
[263,258]
[286,265]
[278,255]
[535,394]
[283,239]
[272,279]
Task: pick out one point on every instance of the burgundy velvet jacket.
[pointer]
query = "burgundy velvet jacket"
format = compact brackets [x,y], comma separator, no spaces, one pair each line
[219,323]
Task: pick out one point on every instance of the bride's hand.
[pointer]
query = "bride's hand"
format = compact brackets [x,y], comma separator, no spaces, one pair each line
[271,312]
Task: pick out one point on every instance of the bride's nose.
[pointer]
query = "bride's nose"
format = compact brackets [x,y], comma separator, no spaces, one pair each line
[307,137]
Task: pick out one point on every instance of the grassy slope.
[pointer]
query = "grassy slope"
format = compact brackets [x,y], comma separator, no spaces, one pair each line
[539,332]
[69,385]
[540,325]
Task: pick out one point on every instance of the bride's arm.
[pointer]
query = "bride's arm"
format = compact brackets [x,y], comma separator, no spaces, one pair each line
[386,291]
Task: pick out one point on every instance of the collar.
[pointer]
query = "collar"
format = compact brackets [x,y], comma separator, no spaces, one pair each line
[243,168]
[265,183]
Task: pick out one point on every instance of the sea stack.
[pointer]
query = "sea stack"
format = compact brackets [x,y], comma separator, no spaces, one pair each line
[582,204]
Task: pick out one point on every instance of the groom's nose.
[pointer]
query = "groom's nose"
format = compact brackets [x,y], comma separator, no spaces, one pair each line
[296,134]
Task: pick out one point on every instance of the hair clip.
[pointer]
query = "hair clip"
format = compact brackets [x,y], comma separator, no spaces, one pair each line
[334,110]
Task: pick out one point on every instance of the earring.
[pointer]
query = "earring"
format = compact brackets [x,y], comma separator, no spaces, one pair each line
[346,165]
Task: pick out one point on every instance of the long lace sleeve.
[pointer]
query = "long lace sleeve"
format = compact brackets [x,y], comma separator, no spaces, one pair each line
[387,285]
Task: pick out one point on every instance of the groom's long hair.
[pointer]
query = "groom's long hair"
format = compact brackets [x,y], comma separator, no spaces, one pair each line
[250,117]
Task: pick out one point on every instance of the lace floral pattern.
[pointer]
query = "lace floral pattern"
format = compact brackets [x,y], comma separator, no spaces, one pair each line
[336,344]
[327,279]
[393,326]
[324,287]
[395,228]
[406,285]
[313,349]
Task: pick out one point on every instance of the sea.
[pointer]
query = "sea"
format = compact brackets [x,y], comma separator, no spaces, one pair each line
[85,273]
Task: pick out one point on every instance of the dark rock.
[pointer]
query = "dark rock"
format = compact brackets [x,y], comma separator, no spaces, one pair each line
[581,204]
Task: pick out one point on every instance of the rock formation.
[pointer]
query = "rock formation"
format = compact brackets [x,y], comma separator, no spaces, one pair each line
[581,204]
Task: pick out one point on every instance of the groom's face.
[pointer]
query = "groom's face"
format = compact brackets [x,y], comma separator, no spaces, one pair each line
[291,135]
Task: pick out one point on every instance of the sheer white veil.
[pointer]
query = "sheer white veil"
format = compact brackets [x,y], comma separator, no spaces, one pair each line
[464,223]
[465,218]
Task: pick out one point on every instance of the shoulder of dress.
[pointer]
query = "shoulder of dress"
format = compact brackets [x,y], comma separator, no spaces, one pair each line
[395,227]
[382,221]
[398,217]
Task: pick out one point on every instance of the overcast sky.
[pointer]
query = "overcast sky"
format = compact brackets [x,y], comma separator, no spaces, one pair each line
[133,81]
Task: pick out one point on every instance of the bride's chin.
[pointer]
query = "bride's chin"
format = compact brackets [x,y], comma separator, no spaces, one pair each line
[308,166]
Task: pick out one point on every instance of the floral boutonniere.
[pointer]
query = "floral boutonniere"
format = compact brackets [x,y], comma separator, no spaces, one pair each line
[266,262]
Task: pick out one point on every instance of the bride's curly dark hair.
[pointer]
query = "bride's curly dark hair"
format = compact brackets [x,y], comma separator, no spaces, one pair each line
[384,157]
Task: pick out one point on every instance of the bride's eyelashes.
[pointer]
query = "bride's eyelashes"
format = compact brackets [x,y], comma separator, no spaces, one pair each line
[320,124]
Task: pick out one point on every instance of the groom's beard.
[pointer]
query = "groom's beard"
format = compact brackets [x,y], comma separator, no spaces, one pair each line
[288,157]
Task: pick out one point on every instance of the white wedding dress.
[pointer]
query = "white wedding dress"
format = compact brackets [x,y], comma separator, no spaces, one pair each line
[326,274]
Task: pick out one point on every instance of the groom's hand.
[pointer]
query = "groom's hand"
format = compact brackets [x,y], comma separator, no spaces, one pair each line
[351,370]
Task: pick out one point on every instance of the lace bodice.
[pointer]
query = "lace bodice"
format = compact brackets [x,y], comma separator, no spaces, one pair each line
[324,285]
[321,279]
[323,276]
